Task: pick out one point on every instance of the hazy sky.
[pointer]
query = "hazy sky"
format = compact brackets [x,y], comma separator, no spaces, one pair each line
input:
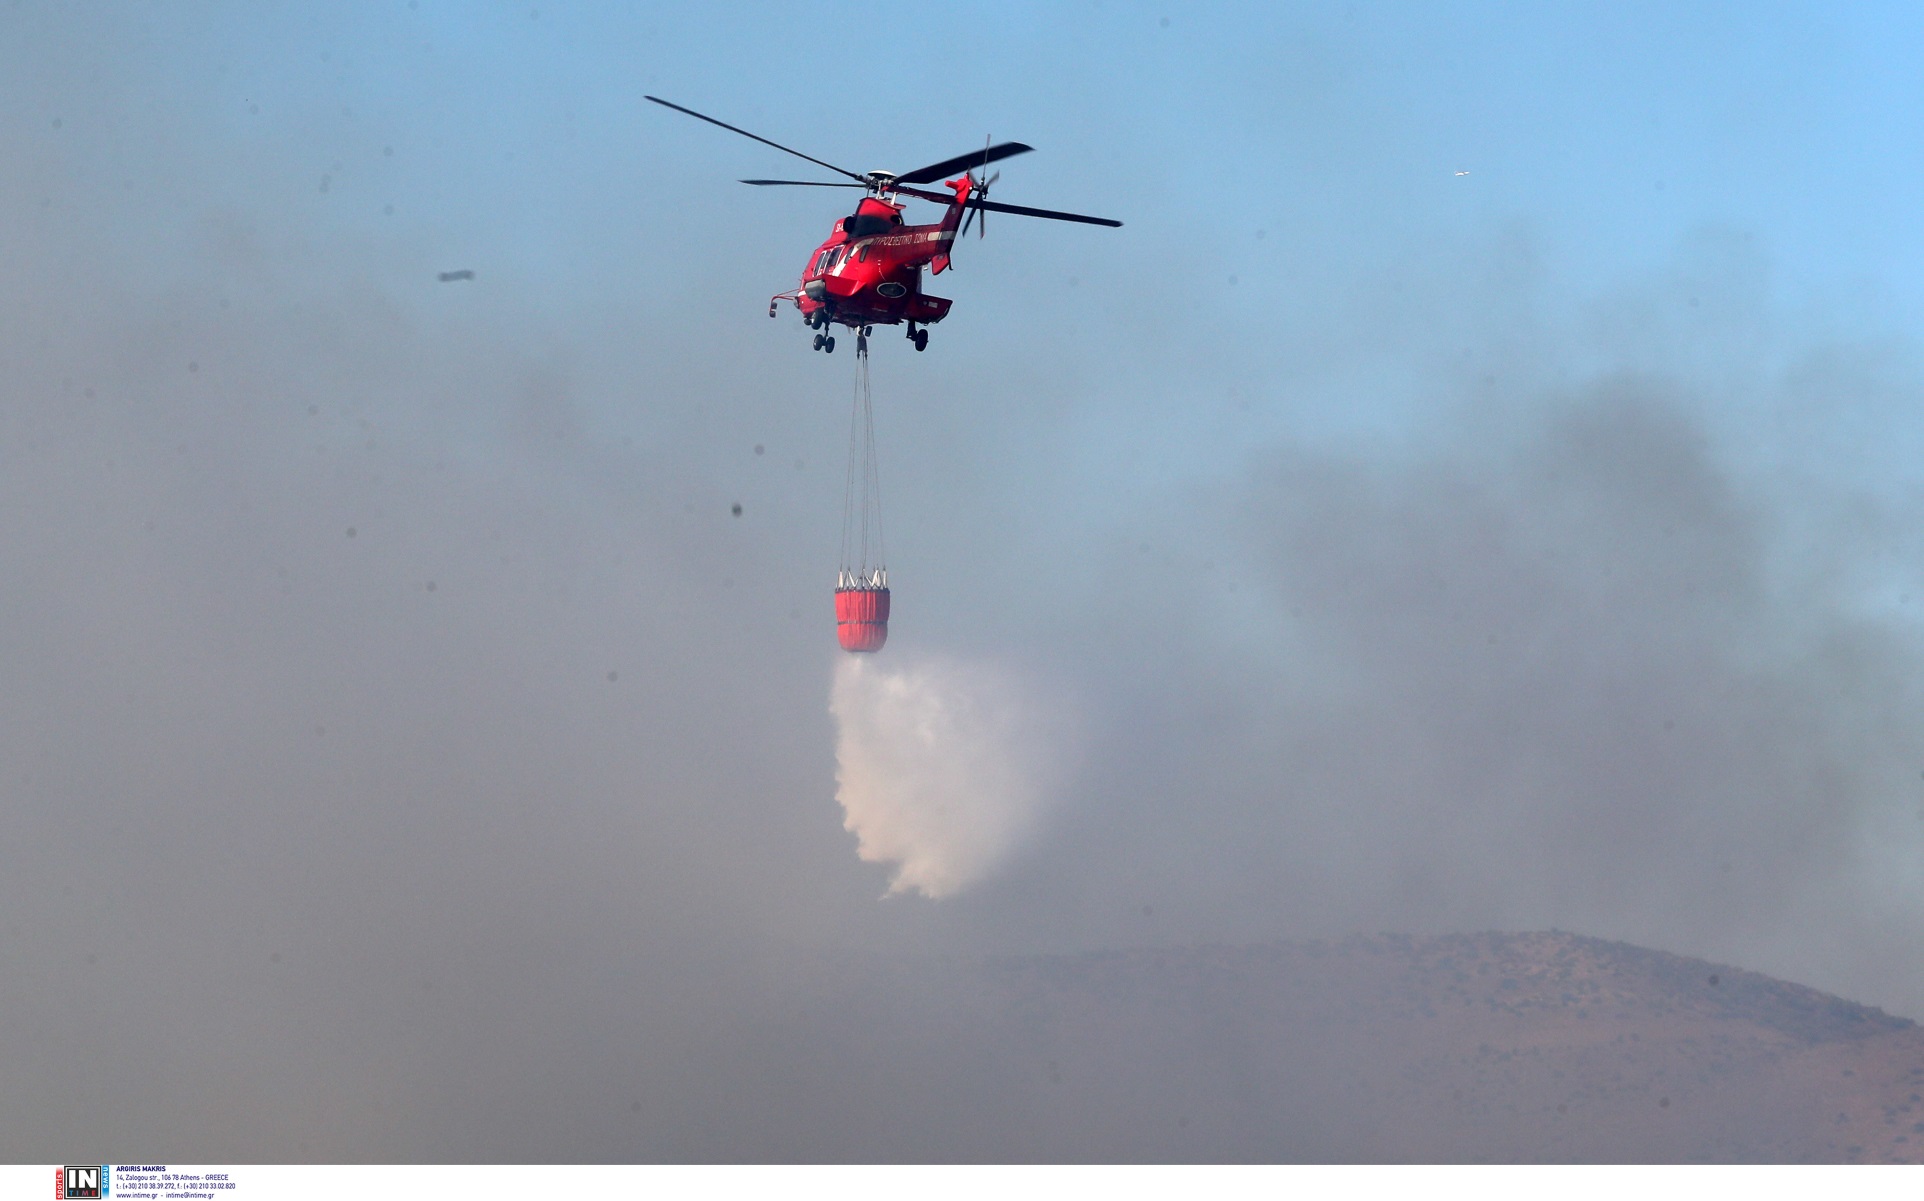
[393,704]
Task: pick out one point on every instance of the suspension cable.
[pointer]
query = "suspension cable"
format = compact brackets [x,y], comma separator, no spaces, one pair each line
[864,550]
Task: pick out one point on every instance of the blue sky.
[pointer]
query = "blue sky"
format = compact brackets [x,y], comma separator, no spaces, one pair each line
[1612,130]
[1309,152]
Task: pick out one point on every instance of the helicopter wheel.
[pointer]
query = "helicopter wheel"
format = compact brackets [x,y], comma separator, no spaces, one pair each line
[921,339]
[867,330]
[818,341]
[828,344]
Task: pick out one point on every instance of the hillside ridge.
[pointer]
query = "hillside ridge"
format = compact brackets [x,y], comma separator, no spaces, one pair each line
[1541,1045]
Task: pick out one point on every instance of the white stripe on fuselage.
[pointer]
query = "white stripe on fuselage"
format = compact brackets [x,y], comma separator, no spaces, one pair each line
[854,249]
[931,235]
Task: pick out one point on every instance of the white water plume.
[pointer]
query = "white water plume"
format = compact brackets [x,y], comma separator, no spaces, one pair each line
[943,768]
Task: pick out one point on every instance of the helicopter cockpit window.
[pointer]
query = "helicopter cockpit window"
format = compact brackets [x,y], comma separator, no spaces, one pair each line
[865,225]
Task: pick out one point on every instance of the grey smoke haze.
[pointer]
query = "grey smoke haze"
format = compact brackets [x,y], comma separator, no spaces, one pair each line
[405,754]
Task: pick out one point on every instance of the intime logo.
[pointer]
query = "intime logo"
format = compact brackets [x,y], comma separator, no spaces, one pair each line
[85,1180]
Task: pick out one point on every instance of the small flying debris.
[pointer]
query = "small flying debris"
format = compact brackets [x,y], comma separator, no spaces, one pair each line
[1461,173]
[448,277]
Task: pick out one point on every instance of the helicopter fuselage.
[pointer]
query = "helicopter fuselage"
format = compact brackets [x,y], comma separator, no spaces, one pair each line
[869,272]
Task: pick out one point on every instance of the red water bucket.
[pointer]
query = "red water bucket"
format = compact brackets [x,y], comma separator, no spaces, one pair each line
[862,618]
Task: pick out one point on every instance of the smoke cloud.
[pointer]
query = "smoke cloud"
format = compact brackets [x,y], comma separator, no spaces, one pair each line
[944,768]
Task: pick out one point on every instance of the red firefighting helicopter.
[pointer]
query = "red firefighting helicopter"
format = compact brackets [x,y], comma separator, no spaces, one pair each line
[869,272]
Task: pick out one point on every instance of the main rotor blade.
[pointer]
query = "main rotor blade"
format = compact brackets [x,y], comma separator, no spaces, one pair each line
[1051,214]
[962,162]
[799,183]
[757,137]
[938,197]
[1017,209]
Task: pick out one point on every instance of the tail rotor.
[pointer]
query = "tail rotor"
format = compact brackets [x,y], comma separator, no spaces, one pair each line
[980,191]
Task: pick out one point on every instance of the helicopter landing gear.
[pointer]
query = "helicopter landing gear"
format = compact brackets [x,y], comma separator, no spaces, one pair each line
[825,342]
[921,339]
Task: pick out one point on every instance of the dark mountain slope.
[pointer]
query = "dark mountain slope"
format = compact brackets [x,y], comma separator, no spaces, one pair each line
[1477,1047]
